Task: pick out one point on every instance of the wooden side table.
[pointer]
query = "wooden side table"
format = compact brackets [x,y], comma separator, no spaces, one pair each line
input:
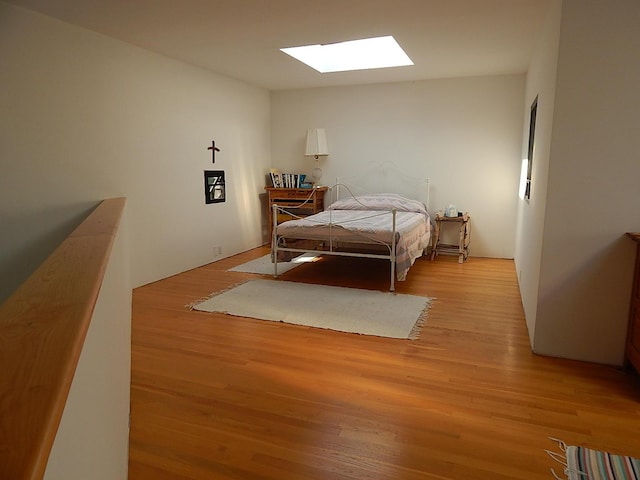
[291,199]
[462,248]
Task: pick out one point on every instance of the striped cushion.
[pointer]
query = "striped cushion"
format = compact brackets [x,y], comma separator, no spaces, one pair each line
[587,464]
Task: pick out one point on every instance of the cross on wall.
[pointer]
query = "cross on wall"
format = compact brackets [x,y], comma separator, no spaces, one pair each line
[213,149]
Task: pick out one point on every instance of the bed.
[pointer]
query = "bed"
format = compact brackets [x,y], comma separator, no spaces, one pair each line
[378,225]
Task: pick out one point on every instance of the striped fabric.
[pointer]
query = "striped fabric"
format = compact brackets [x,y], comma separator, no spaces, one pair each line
[587,464]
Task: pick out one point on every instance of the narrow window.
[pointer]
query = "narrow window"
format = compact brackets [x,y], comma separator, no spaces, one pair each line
[532,134]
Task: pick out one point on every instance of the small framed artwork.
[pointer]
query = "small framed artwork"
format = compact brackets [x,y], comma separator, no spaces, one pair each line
[214,186]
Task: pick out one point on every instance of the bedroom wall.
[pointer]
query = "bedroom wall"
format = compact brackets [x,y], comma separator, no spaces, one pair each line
[541,82]
[592,192]
[85,117]
[463,133]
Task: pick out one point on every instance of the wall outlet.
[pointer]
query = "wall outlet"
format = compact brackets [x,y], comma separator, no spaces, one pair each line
[217,250]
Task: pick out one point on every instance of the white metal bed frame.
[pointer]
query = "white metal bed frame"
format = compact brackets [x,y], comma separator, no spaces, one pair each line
[391,256]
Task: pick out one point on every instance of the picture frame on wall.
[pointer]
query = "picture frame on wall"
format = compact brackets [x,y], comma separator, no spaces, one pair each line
[214,186]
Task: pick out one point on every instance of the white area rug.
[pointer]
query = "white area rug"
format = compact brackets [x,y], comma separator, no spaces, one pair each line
[264,265]
[353,310]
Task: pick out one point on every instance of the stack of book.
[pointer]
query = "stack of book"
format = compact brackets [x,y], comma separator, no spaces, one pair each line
[289,180]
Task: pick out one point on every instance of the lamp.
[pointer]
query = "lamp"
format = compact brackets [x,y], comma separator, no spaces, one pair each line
[316,146]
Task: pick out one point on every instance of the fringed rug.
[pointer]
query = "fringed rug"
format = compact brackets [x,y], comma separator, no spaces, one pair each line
[582,463]
[264,265]
[352,310]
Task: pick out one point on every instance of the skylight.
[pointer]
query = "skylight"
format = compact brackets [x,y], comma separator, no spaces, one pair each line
[368,53]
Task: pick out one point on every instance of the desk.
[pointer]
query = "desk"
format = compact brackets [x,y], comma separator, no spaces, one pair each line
[462,248]
[291,199]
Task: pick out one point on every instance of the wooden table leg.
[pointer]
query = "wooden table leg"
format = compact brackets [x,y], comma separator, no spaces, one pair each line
[461,243]
[436,239]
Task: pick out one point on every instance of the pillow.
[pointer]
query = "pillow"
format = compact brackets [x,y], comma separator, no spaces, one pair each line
[379,201]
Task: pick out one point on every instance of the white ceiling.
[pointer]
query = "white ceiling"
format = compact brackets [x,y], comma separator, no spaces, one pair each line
[242,38]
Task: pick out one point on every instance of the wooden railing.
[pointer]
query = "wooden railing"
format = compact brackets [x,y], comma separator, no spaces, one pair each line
[43,325]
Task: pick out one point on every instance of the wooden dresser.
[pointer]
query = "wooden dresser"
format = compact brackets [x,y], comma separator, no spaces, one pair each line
[301,202]
[632,355]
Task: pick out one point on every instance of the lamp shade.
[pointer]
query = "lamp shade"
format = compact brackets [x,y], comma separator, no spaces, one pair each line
[316,143]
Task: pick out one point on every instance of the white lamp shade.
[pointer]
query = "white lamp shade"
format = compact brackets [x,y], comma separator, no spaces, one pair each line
[316,143]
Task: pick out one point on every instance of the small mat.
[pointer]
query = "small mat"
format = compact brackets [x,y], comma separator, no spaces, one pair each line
[264,265]
[587,464]
[352,310]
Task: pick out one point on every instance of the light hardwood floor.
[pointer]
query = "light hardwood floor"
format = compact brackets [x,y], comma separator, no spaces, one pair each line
[217,397]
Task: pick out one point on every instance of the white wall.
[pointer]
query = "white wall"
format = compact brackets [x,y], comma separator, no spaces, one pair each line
[93,436]
[85,117]
[464,134]
[541,82]
[592,193]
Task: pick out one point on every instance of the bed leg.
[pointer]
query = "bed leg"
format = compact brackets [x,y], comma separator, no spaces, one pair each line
[275,264]
[274,252]
[392,287]
[274,241]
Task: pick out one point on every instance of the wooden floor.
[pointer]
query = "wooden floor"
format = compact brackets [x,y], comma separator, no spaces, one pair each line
[218,397]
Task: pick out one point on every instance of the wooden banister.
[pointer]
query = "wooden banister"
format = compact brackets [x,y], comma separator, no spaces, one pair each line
[43,325]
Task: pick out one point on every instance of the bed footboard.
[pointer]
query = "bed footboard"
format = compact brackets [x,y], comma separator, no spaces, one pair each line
[282,251]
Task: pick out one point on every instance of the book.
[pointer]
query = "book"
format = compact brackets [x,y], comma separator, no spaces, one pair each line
[276,178]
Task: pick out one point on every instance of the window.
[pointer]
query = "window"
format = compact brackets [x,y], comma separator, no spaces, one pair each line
[367,53]
[532,134]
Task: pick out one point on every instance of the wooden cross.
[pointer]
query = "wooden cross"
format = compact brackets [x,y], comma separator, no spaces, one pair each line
[213,149]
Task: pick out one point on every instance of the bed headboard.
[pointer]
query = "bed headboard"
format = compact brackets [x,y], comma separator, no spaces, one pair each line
[383,178]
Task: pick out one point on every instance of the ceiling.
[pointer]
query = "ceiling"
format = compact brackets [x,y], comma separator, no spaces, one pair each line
[242,38]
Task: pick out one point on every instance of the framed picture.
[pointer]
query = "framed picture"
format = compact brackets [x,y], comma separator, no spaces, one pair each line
[214,186]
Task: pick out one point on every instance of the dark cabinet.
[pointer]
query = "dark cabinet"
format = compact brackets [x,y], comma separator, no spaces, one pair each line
[632,354]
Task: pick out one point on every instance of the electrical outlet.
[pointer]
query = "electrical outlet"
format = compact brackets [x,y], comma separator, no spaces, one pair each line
[217,250]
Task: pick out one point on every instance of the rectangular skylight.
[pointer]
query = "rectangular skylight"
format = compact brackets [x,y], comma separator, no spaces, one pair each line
[379,52]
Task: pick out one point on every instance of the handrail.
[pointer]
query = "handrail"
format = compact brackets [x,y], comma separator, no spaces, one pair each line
[43,325]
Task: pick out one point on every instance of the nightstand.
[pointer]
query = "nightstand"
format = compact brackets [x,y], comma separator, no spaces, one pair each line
[462,248]
[291,199]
